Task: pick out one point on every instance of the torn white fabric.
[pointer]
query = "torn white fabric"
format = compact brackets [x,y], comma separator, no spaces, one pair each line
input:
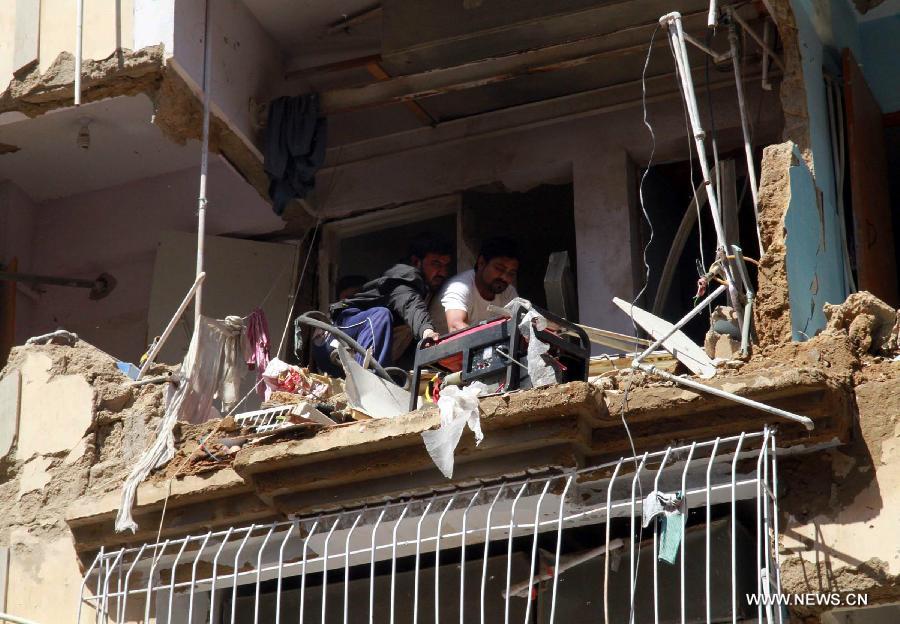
[540,373]
[191,400]
[235,347]
[459,407]
[660,502]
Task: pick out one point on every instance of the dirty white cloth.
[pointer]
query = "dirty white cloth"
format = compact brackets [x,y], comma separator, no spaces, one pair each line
[235,347]
[671,507]
[198,381]
[60,336]
[459,407]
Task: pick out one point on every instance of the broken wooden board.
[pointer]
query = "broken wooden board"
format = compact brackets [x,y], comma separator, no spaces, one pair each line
[678,344]
[660,359]
[614,340]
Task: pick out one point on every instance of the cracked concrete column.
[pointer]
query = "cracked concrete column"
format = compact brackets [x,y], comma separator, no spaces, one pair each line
[606,235]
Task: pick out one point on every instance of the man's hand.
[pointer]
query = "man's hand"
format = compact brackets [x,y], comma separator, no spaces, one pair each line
[430,334]
[457,319]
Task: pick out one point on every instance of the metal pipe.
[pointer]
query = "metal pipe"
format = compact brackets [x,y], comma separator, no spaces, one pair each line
[347,568]
[762,44]
[745,128]
[509,545]
[659,471]
[634,483]
[487,541]
[559,529]
[709,465]
[534,541]
[372,567]
[718,57]
[684,519]
[204,161]
[309,535]
[158,345]
[6,617]
[79,38]
[676,35]
[751,296]
[394,560]
[199,554]
[693,385]
[684,321]
[713,19]
[737,454]
[767,36]
[462,557]
[609,489]
[418,556]
[437,560]
[324,569]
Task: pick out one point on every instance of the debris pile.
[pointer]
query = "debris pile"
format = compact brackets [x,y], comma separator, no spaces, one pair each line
[872,325]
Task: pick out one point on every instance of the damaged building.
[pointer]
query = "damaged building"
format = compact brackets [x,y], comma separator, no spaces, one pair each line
[690,413]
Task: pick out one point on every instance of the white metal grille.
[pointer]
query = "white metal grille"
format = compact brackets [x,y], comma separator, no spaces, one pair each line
[265,419]
[557,549]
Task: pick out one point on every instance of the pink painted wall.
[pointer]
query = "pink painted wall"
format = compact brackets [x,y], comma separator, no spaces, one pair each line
[116,230]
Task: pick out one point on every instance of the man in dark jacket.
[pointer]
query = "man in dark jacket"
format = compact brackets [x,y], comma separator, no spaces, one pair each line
[390,311]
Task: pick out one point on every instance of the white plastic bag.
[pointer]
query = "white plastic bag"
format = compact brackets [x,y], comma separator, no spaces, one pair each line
[459,406]
[540,373]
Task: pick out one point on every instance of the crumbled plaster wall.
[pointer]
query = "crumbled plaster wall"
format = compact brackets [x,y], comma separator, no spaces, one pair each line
[792,89]
[125,72]
[840,507]
[80,428]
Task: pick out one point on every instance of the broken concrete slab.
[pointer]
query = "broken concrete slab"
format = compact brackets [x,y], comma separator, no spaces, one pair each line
[57,410]
[33,475]
[10,393]
[124,73]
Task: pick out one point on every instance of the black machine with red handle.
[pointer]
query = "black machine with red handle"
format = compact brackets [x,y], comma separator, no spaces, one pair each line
[495,352]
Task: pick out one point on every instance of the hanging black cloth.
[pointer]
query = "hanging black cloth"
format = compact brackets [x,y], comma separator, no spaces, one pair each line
[295,147]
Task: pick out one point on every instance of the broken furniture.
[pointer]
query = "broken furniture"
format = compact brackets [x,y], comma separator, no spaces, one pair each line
[496,353]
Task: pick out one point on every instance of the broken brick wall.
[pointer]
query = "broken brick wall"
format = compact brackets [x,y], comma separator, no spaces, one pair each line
[70,426]
[840,506]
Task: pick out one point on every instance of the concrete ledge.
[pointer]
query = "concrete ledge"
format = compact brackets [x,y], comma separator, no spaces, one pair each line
[569,425]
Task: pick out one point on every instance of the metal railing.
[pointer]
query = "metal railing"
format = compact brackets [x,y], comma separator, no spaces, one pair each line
[538,546]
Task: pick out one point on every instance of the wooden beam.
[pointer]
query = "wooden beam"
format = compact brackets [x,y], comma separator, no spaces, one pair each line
[378,72]
[489,71]
[350,63]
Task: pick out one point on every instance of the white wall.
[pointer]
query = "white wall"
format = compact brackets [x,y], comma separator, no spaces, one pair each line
[246,62]
[117,230]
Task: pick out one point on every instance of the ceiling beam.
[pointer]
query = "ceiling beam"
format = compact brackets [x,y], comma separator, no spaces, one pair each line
[488,71]
[378,72]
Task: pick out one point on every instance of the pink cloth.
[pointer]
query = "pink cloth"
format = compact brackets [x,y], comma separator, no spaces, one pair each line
[258,335]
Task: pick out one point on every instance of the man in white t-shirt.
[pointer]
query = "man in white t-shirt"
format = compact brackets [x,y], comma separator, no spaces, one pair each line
[466,296]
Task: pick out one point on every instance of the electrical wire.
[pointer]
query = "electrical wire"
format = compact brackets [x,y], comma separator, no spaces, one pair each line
[641,292]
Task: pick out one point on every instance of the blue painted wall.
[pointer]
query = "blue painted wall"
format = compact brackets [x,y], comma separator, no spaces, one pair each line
[814,254]
[881,59]
[814,251]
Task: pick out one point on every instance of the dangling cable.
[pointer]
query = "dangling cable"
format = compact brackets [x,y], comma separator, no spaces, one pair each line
[640,294]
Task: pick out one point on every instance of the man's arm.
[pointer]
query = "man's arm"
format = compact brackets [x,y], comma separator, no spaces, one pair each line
[457,319]
[455,300]
[410,305]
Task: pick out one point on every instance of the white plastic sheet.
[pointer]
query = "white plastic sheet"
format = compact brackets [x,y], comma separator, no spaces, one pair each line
[540,373]
[459,407]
